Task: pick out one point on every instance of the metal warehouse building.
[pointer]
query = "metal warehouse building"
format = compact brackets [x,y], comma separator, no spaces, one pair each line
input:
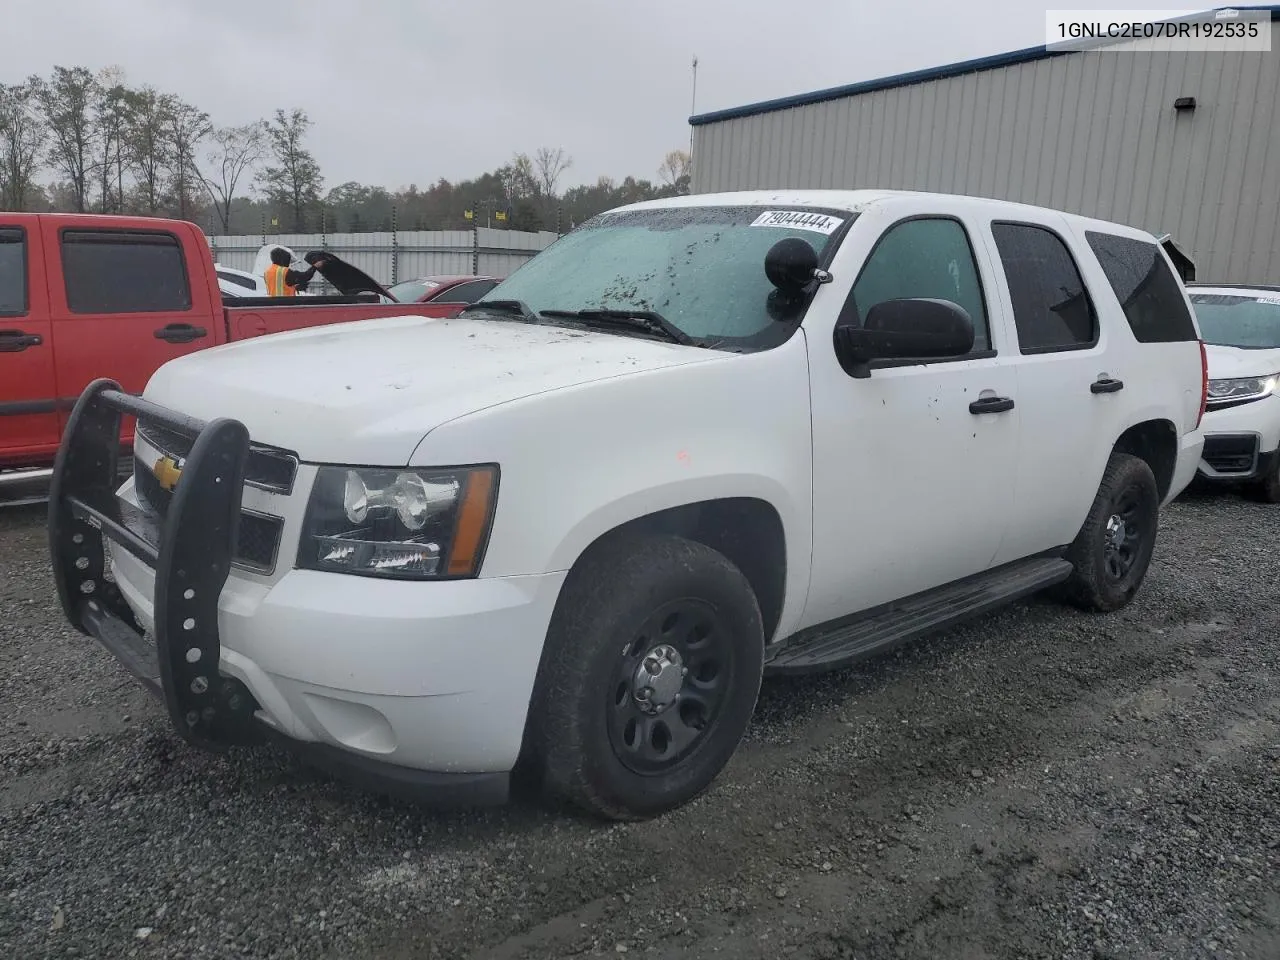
[1094,132]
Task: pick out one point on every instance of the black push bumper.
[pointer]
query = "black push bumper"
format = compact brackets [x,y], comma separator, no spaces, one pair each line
[191,550]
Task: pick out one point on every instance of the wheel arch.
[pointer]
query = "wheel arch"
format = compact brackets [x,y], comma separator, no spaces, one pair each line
[1154,441]
[747,530]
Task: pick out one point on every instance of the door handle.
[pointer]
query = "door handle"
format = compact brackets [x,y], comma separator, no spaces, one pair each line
[180,333]
[991,405]
[15,341]
[1106,385]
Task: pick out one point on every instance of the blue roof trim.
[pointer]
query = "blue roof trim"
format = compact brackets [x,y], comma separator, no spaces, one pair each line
[1027,55]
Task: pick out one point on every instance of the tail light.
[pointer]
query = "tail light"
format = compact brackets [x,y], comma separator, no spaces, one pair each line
[1204,383]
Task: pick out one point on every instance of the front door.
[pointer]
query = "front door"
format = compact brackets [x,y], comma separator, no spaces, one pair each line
[913,466]
[28,395]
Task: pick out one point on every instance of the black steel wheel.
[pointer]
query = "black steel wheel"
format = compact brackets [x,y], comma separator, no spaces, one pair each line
[648,678]
[1111,554]
[670,684]
[1124,534]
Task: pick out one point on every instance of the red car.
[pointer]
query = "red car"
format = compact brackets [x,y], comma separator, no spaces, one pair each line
[459,290]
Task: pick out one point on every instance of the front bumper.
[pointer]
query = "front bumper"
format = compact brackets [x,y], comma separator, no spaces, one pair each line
[419,688]
[1241,442]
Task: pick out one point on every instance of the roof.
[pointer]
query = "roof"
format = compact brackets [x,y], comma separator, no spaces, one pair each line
[854,201]
[1233,287]
[1027,55]
[449,280]
[859,201]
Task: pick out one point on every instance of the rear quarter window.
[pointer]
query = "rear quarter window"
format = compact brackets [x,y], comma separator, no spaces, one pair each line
[124,272]
[1147,289]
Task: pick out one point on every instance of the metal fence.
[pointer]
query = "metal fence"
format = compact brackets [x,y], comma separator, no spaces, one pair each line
[403,255]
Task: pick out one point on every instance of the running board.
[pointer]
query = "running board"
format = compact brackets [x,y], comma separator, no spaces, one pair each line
[844,643]
[11,478]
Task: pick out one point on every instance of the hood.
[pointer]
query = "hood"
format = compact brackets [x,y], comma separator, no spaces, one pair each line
[349,280]
[368,392]
[1230,363]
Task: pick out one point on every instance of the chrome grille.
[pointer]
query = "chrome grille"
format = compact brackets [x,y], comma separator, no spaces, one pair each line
[267,467]
[258,535]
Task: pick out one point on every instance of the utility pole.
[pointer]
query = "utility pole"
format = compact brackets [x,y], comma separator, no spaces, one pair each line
[693,108]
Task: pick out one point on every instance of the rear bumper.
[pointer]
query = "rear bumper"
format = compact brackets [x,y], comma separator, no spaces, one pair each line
[1190,447]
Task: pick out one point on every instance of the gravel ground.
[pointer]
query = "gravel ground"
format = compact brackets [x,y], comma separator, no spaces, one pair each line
[1039,784]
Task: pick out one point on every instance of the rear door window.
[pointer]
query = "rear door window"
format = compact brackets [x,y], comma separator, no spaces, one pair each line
[13,272]
[1146,288]
[1052,308]
[124,272]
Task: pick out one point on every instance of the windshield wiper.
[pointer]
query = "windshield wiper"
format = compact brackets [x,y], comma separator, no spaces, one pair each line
[517,308]
[646,321]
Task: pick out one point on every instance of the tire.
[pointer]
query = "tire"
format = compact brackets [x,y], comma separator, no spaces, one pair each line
[593,737]
[1269,488]
[1104,579]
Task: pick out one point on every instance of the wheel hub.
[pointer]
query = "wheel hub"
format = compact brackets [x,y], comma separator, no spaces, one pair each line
[658,679]
[1117,531]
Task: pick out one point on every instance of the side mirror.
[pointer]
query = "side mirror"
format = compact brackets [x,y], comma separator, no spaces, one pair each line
[790,265]
[904,330]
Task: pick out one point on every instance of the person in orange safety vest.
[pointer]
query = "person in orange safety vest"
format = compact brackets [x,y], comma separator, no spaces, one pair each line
[282,281]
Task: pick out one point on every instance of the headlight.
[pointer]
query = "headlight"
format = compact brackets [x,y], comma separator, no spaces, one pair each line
[405,523]
[1247,388]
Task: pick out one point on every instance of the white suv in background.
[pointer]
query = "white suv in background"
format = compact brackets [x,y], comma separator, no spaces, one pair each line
[694,441]
[1241,328]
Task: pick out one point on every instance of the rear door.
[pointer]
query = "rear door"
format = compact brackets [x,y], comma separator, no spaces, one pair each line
[127,302]
[1063,349]
[28,394]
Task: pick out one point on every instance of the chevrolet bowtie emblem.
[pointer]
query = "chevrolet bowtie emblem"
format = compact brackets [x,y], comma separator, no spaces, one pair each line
[167,473]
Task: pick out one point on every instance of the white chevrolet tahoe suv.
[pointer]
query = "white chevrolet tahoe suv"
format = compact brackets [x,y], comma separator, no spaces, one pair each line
[1241,329]
[695,441]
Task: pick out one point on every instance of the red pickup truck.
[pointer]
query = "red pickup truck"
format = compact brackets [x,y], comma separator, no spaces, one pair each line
[84,296]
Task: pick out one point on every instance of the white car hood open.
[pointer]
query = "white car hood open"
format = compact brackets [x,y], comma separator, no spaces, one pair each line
[368,392]
[1231,363]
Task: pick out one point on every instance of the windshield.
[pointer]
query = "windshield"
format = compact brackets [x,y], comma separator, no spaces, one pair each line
[1239,320]
[700,268]
[411,291]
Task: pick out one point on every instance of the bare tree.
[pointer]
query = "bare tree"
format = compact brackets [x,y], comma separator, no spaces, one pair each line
[519,179]
[148,144]
[111,123]
[234,151]
[294,181]
[550,165]
[675,170]
[186,127]
[22,137]
[66,103]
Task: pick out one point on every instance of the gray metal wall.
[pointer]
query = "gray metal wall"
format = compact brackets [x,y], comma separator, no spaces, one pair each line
[390,258]
[1090,132]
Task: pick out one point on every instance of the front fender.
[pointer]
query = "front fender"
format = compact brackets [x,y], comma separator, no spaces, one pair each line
[580,461]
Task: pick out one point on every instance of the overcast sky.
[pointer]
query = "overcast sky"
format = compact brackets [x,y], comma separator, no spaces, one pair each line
[408,91]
